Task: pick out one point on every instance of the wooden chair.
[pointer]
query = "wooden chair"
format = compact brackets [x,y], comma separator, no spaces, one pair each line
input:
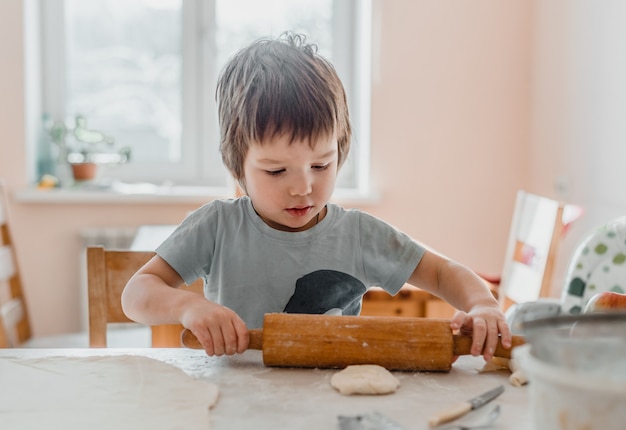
[108,271]
[537,228]
[14,322]
[4,339]
[15,327]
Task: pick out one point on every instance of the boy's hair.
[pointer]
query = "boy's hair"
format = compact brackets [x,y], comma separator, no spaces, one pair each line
[279,86]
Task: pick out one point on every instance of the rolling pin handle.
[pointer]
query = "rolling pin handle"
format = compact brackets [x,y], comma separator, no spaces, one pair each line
[189,340]
[463,346]
[256,339]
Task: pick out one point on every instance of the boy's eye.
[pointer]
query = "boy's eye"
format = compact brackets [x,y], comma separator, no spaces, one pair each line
[322,167]
[274,172]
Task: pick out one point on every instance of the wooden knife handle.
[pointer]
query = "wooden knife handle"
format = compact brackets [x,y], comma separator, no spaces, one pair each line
[450,414]
[463,346]
[189,340]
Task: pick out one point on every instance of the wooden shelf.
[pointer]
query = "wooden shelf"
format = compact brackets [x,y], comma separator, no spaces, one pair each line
[409,302]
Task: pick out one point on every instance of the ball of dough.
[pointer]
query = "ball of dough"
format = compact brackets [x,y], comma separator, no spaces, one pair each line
[364,379]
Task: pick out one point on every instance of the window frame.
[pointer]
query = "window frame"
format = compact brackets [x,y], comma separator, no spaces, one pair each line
[201,163]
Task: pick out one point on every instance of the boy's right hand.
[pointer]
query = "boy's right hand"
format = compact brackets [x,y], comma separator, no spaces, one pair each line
[219,329]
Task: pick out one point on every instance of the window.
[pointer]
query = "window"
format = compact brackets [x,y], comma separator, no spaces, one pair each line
[144,72]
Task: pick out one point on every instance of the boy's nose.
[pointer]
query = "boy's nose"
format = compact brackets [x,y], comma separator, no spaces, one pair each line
[301,185]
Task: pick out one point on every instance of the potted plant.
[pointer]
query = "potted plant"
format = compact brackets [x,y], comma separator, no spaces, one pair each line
[85,149]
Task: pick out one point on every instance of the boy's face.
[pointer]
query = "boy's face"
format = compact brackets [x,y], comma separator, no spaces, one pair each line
[290,183]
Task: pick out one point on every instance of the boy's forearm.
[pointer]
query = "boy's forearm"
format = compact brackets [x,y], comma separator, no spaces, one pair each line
[149,300]
[463,288]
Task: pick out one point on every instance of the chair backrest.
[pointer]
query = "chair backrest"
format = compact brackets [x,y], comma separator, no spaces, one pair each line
[597,265]
[537,228]
[108,271]
[14,322]
[4,340]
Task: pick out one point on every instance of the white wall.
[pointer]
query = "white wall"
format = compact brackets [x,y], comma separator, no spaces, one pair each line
[579,108]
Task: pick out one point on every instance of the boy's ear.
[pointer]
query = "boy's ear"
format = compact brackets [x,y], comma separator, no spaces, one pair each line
[240,188]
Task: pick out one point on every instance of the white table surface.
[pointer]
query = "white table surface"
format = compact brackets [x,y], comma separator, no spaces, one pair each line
[253,396]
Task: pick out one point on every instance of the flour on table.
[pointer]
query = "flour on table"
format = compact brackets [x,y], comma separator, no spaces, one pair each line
[120,392]
[364,379]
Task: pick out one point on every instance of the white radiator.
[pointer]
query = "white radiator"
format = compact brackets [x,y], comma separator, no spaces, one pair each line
[108,237]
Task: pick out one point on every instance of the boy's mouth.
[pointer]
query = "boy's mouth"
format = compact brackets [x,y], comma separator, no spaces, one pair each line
[299,212]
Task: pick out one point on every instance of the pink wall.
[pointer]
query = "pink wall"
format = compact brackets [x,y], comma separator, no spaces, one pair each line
[451,121]
[450,138]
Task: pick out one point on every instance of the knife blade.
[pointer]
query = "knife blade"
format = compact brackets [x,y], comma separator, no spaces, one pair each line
[373,421]
[460,409]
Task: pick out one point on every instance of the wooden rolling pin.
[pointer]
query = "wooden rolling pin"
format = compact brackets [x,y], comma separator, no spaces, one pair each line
[325,341]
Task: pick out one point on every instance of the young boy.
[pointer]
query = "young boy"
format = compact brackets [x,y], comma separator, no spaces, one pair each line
[285,132]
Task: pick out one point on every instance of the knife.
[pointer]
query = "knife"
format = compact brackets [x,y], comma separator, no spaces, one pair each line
[462,408]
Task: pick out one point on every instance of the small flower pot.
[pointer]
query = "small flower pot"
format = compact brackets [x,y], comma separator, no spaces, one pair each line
[84,171]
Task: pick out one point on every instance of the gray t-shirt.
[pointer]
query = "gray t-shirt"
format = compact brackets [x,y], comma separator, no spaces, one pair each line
[254,269]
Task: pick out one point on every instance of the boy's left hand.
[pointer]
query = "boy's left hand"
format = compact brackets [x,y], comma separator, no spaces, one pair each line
[487,326]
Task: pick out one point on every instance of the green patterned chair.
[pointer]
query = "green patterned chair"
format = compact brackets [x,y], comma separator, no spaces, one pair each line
[598,264]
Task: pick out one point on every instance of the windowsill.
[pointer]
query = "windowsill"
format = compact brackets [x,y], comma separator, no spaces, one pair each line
[123,193]
[154,194]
